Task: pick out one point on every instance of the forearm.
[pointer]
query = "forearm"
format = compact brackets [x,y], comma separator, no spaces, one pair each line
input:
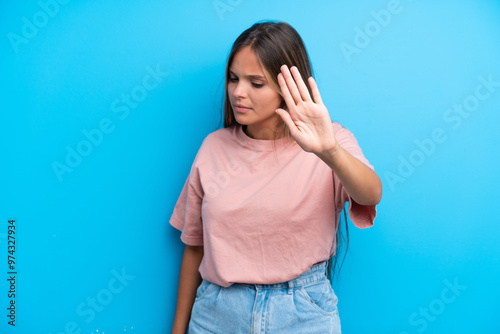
[189,281]
[360,182]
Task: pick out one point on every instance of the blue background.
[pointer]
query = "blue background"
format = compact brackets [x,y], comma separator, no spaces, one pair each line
[437,224]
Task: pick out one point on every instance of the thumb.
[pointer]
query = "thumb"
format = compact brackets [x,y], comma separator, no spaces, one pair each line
[285,116]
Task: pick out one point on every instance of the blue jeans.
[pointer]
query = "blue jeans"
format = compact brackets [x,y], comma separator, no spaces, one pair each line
[306,304]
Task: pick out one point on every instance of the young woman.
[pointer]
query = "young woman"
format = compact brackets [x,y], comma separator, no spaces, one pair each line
[260,208]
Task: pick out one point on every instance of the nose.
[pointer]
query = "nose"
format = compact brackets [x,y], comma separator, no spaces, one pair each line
[239,90]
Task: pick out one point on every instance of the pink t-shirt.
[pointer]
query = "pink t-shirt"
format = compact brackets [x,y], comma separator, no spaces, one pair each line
[263,217]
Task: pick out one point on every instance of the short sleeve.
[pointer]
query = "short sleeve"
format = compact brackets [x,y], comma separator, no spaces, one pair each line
[186,216]
[362,216]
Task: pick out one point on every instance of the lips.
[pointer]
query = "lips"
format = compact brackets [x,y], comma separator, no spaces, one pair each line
[241,108]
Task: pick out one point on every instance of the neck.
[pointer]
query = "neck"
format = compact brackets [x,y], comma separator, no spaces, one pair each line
[262,134]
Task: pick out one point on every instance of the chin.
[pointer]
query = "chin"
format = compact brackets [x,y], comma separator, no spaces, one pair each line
[240,120]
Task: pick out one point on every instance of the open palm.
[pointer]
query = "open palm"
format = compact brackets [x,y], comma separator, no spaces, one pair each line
[308,120]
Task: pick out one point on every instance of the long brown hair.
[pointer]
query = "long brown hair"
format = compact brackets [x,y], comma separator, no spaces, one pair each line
[277,43]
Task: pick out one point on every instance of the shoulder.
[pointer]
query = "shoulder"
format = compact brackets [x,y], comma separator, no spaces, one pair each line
[212,144]
[217,140]
[342,133]
[219,136]
[347,140]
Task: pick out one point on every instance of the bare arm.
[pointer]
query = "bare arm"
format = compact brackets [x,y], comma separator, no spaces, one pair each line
[362,183]
[189,281]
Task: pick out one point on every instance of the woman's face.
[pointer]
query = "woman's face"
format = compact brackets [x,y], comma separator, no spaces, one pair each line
[252,96]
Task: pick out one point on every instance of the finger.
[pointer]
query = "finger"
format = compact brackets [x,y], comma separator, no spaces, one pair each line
[286,93]
[292,87]
[287,119]
[304,92]
[315,91]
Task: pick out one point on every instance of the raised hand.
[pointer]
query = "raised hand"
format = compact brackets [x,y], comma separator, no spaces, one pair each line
[308,120]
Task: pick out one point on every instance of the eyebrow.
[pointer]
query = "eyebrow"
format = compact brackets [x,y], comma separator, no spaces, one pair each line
[251,76]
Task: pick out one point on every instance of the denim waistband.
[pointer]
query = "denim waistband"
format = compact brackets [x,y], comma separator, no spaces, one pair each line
[315,273]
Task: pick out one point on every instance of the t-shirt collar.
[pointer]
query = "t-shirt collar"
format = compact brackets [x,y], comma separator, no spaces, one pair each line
[261,144]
